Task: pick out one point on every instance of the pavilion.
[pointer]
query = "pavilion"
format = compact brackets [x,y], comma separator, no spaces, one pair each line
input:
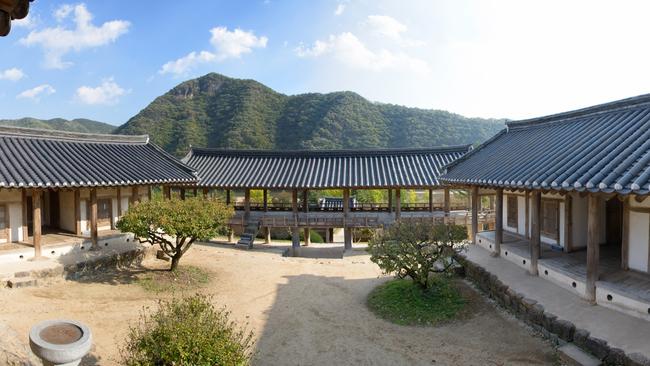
[303,171]
[571,199]
[60,185]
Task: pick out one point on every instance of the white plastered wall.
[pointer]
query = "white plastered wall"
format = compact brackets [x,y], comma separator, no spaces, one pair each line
[66,211]
[639,236]
[13,199]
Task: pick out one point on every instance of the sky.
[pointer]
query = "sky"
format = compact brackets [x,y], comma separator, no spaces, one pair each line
[107,60]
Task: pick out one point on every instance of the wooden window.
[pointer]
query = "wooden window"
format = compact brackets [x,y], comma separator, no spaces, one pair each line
[513,214]
[4,222]
[104,211]
[551,219]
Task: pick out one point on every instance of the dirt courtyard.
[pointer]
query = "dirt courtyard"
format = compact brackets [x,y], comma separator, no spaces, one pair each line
[303,311]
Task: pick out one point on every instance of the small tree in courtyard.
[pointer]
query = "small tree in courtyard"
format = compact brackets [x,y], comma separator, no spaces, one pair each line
[176,224]
[417,249]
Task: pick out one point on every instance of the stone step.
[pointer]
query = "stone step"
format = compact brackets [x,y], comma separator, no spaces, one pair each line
[22,282]
[571,355]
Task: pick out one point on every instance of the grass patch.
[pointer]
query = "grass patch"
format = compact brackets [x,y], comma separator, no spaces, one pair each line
[183,278]
[405,303]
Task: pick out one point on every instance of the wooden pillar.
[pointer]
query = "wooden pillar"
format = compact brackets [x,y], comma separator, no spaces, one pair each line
[625,243]
[390,200]
[182,193]
[228,197]
[527,213]
[167,192]
[593,246]
[447,201]
[430,200]
[266,200]
[295,235]
[328,235]
[305,196]
[135,194]
[247,202]
[535,240]
[231,234]
[119,202]
[149,193]
[347,232]
[206,192]
[398,204]
[36,215]
[568,223]
[498,229]
[194,192]
[93,217]
[307,235]
[267,237]
[474,199]
[24,218]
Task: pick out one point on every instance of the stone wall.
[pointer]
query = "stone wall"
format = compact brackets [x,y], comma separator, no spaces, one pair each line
[558,330]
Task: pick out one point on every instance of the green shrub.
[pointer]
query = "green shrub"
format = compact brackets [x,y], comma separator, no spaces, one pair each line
[404,302]
[314,236]
[417,249]
[187,332]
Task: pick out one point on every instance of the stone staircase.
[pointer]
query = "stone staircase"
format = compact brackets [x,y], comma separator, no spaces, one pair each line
[20,280]
[248,236]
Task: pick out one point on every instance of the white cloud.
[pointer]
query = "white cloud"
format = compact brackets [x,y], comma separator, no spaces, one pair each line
[340,8]
[386,26]
[107,93]
[184,64]
[236,43]
[59,41]
[28,22]
[227,44]
[36,92]
[349,50]
[13,74]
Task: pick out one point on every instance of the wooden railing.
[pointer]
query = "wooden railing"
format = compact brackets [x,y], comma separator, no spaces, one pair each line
[357,207]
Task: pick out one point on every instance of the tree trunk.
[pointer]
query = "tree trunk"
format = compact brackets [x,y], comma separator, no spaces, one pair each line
[175,259]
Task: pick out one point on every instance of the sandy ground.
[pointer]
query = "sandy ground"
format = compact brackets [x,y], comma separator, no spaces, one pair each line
[303,311]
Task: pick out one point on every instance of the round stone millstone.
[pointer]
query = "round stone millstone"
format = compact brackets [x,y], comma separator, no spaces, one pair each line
[60,342]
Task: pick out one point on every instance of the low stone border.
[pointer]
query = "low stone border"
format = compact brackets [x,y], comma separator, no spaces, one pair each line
[534,314]
[118,260]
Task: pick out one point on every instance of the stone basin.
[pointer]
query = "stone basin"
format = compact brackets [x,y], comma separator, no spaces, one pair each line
[60,342]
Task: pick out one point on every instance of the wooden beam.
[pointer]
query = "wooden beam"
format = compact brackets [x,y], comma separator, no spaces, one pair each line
[295,236]
[535,239]
[625,243]
[36,220]
[474,200]
[247,202]
[498,230]
[593,246]
[305,205]
[527,214]
[447,200]
[347,234]
[119,202]
[568,223]
[265,193]
[24,202]
[398,204]
[640,199]
[93,218]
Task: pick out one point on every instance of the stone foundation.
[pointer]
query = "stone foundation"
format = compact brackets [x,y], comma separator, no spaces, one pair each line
[558,330]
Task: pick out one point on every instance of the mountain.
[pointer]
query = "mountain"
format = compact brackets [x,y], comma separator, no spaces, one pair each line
[60,124]
[218,111]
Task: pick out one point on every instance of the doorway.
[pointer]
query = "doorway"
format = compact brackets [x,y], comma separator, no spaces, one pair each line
[614,222]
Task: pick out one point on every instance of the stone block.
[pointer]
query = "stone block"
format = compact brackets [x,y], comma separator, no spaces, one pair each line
[637,359]
[580,338]
[597,347]
[564,329]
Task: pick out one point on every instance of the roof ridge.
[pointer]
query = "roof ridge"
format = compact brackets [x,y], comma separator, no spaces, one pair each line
[617,105]
[25,132]
[328,152]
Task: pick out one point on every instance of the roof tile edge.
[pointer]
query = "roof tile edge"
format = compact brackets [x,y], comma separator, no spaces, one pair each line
[319,153]
[621,104]
[71,136]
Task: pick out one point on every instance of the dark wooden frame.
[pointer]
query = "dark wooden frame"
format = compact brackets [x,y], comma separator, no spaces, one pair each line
[552,234]
[509,198]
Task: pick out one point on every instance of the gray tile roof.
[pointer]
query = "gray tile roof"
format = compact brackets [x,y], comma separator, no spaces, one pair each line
[603,148]
[321,168]
[42,158]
